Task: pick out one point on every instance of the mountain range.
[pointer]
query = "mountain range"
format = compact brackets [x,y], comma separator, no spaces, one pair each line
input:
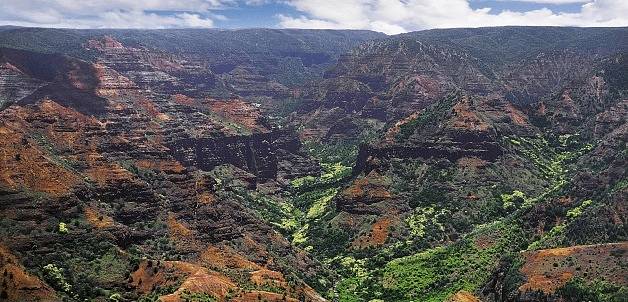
[484,164]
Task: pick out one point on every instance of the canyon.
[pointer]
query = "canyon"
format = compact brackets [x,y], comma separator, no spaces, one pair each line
[483,164]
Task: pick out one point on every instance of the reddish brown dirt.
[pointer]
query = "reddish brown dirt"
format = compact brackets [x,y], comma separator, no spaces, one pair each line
[240,112]
[465,117]
[375,237]
[226,257]
[104,43]
[18,284]
[168,166]
[565,200]
[202,281]
[152,274]
[73,138]
[266,276]
[97,219]
[312,134]
[195,278]
[181,234]
[425,86]
[548,270]
[463,296]
[390,135]
[151,109]
[23,162]
[110,82]
[206,198]
[165,63]
[104,172]
[372,188]
[183,100]
[41,142]
[567,104]
[177,229]
[541,109]
[256,250]
[10,66]
[516,116]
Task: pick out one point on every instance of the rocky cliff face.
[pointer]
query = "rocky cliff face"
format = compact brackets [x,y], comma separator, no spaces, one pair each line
[113,154]
[259,154]
[458,165]
[391,79]
[468,137]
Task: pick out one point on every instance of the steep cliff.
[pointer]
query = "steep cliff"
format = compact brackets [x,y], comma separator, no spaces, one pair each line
[479,153]
[302,165]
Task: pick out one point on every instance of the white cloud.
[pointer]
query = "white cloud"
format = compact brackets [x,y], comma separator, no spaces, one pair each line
[548,1]
[395,16]
[389,16]
[110,13]
[257,2]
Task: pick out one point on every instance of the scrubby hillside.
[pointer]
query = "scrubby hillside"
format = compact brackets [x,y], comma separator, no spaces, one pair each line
[309,165]
[473,148]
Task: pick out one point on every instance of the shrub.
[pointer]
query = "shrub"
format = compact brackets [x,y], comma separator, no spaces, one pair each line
[54,276]
[577,211]
[63,228]
[115,297]
[513,201]
[596,291]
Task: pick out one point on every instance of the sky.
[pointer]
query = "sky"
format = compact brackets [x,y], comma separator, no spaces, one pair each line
[387,16]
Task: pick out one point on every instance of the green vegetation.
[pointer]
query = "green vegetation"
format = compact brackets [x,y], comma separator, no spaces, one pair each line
[511,202]
[341,152]
[312,196]
[421,217]
[577,211]
[187,296]
[303,181]
[348,288]
[620,185]
[273,210]
[315,201]
[282,108]
[54,154]
[551,154]
[428,116]
[320,205]
[54,275]
[116,297]
[63,228]
[434,274]
[550,239]
[332,173]
[556,236]
[154,295]
[300,236]
[593,291]
[109,267]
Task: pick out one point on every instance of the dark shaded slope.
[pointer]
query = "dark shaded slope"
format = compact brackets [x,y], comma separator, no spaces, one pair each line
[512,42]
[70,81]
[305,53]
